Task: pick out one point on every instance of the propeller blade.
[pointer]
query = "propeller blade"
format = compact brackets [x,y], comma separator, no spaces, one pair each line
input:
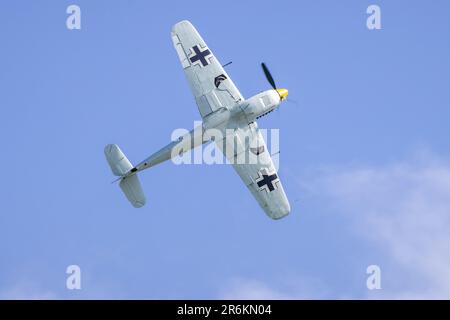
[268,75]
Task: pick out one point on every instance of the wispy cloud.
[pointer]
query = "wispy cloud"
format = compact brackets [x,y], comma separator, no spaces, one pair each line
[291,287]
[402,209]
[248,289]
[27,291]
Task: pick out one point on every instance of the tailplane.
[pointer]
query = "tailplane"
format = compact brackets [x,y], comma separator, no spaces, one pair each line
[121,166]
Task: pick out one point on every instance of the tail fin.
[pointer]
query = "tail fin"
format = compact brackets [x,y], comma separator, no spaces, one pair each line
[129,184]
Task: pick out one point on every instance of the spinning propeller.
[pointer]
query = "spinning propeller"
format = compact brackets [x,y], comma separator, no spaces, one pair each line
[283,93]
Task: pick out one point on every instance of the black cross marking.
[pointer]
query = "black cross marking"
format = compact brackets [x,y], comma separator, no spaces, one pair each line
[268,181]
[200,56]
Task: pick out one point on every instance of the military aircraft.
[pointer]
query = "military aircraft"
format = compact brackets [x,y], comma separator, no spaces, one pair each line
[223,109]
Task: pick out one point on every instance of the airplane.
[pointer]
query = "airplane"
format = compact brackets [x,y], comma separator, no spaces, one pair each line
[223,109]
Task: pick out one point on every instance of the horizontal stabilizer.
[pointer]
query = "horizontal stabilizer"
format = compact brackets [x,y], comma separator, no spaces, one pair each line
[132,188]
[117,161]
[121,166]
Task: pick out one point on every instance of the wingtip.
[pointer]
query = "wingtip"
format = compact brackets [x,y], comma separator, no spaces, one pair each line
[181,24]
[139,204]
[280,213]
[108,148]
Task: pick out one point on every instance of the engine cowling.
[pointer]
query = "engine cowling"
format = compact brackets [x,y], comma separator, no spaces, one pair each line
[261,104]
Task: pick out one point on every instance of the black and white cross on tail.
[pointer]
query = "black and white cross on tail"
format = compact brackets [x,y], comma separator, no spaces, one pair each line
[200,57]
[267,181]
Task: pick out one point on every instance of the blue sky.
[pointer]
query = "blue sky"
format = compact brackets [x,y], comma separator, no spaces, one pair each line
[364,154]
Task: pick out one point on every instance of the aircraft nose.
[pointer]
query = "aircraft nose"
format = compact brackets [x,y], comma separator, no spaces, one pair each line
[283,93]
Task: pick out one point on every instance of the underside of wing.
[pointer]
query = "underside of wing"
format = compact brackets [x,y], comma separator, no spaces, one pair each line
[246,149]
[210,84]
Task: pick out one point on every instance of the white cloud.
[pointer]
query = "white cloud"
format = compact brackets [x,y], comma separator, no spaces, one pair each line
[251,289]
[404,210]
[401,209]
[292,287]
[26,291]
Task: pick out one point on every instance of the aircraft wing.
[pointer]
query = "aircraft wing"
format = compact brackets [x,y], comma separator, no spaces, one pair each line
[209,83]
[246,149]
